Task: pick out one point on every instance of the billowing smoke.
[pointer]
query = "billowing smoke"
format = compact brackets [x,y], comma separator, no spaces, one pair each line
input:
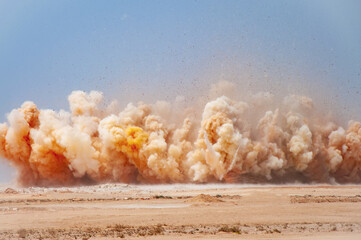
[259,139]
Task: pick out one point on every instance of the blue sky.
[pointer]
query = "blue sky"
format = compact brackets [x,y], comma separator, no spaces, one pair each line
[125,48]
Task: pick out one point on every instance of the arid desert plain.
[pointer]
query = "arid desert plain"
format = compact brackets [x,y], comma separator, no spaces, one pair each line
[181,211]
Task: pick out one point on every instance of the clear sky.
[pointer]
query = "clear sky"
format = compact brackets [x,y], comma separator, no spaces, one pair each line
[50,48]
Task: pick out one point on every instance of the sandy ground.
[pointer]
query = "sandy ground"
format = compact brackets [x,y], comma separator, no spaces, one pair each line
[212,211]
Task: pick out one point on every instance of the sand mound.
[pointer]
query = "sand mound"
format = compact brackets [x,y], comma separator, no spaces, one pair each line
[204,198]
[10,191]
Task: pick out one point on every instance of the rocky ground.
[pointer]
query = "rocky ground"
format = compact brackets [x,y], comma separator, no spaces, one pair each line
[210,211]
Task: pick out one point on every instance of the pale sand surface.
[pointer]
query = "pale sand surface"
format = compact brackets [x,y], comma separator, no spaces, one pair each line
[112,211]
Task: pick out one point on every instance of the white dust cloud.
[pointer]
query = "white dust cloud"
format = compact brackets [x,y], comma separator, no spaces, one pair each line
[258,139]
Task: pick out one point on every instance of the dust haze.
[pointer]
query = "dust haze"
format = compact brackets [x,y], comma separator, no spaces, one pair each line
[224,133]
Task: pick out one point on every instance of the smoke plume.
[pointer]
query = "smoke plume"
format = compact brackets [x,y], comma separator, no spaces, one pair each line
[259,139]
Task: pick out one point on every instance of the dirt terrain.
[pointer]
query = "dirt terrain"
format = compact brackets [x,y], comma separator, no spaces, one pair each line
[211,211]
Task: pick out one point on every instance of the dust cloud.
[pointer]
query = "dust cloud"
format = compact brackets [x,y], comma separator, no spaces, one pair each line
[262,138]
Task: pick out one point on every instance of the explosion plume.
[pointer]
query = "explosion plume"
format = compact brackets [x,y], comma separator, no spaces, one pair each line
[256,140]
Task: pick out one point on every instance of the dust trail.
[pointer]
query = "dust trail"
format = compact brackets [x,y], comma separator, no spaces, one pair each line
[259,139]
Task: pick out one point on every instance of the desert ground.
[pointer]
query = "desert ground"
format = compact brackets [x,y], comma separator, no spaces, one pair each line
[181,211]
